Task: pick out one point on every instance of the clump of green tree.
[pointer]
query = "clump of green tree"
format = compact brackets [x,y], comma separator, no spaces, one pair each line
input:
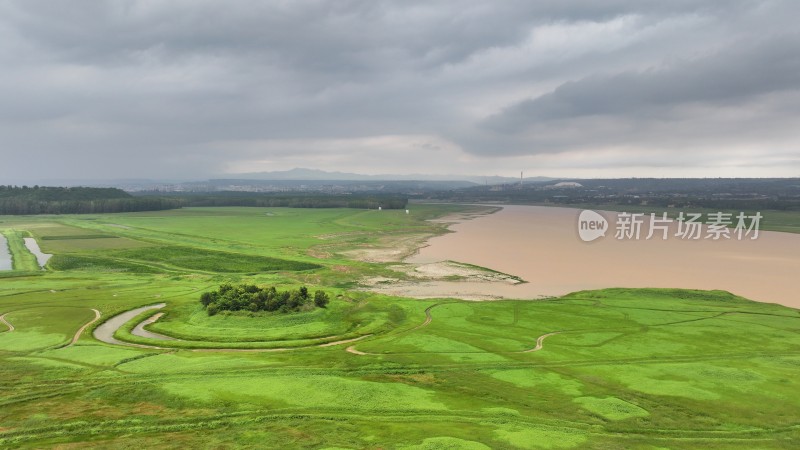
[249,297]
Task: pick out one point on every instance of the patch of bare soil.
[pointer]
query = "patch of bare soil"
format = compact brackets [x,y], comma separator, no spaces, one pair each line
[6,323]
[85,326]
[479,211]
[319,254]
[444,279]
[454,271]
[392,248]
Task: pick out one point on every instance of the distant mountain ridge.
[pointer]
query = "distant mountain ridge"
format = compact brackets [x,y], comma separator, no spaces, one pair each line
[292,177]
[316,174]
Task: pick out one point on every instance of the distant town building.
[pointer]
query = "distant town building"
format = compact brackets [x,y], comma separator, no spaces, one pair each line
[567,184]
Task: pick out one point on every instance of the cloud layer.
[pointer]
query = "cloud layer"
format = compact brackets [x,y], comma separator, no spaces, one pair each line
[190,89]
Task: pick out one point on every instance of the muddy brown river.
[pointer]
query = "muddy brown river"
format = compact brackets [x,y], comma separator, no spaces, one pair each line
[541,245]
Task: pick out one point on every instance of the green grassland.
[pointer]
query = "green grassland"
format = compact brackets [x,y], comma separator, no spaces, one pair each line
[615,368]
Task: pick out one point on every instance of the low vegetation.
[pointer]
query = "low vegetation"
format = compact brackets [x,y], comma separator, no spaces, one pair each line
[615,368]
[210,260]
[97,264]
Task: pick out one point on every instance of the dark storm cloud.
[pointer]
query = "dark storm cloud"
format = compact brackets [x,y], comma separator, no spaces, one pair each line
[732,78]
[193,88]
[767,67]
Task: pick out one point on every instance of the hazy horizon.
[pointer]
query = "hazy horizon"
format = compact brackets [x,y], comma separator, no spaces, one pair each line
[196,90]
[332,176]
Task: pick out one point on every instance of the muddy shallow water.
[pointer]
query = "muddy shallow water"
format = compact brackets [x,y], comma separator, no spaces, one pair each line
[33,247]
[541,245]
[105,331]
[5,255]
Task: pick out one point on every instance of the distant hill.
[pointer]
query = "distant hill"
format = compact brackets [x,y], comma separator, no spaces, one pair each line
[314,174]
[323,185]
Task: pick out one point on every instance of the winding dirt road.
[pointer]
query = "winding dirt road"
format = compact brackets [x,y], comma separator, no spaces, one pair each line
[540,342]
[81,330]
[428,318]
[6,323]
[352,349]
[346,341]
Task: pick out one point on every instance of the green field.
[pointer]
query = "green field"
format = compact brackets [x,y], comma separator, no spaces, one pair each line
[616,368]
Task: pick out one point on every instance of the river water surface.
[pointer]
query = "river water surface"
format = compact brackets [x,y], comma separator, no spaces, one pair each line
[541,245]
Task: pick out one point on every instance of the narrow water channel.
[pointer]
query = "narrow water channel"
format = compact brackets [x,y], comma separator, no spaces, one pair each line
[5,254]
[33,246]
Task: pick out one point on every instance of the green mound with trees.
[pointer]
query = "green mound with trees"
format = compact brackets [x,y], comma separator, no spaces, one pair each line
[249,297]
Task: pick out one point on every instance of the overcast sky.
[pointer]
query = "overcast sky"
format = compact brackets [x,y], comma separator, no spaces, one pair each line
[192,89]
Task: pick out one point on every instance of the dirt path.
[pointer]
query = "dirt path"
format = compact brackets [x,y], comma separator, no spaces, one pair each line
[428,318]
[281,349]
[539,345]
[352,349]
[6,323]
[540,342]
[81,330]
[346,341]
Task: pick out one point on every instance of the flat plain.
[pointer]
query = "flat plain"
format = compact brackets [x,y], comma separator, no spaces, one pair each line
[610,368]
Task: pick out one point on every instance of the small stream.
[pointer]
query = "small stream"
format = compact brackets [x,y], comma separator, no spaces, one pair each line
[105,332]
[5,255]
[33,246]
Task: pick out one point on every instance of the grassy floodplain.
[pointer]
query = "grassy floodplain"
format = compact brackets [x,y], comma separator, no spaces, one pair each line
[616,368]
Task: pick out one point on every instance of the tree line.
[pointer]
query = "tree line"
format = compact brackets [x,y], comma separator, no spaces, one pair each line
[249,297]
[16,200]
[75,200]
[49,193]
[264,200]
[19,206]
